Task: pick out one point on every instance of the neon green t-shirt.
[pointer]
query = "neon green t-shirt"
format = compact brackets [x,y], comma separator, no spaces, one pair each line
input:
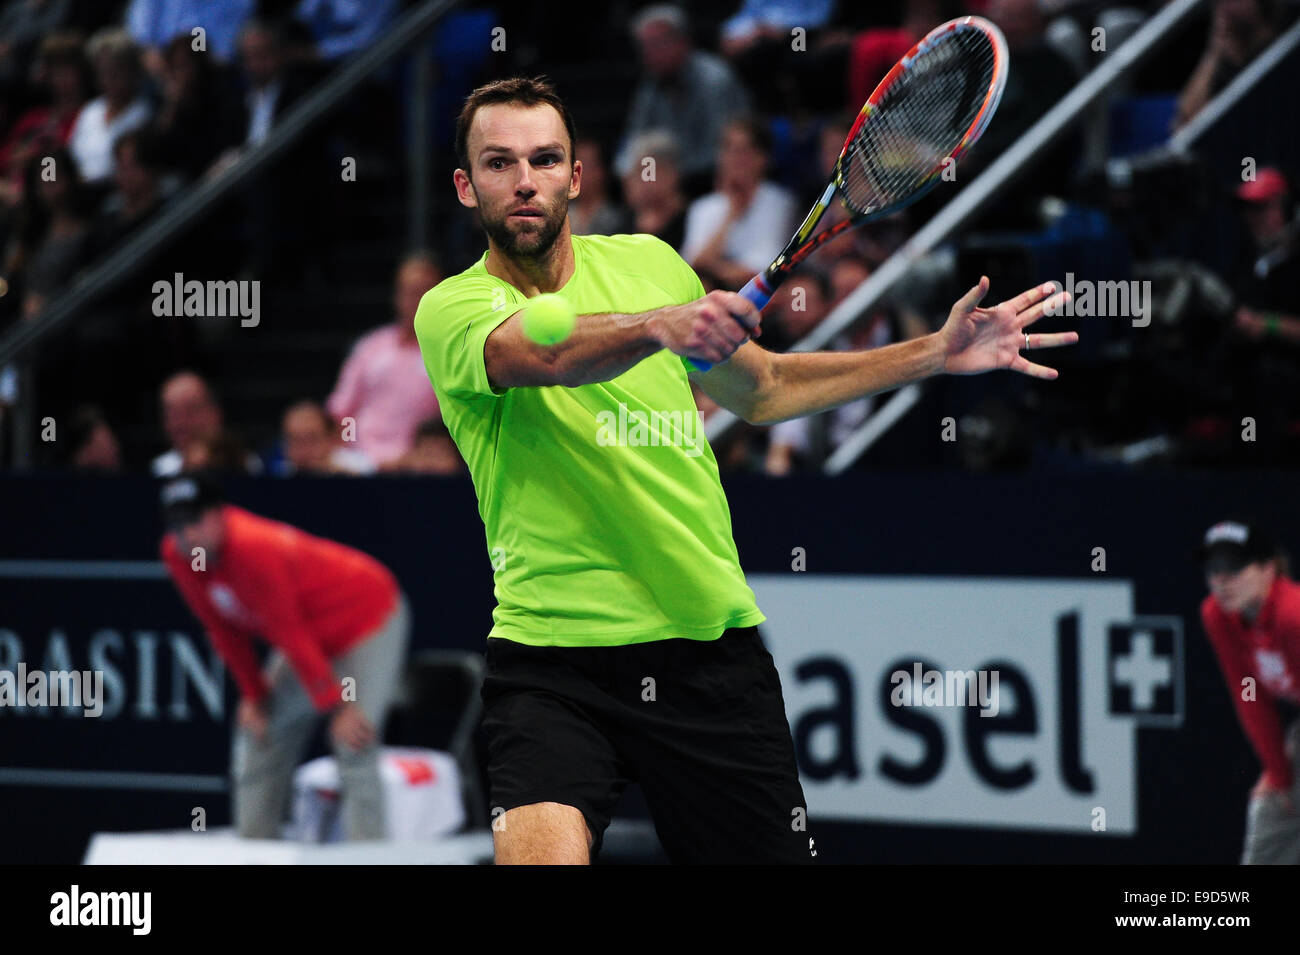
[606,521]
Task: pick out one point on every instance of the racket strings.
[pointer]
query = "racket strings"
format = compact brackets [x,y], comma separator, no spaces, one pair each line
[919,121]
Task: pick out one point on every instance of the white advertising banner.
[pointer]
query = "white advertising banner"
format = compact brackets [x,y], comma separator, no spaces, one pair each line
[997,702]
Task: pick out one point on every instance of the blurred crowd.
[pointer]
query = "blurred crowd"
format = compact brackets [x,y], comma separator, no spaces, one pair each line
[733,119]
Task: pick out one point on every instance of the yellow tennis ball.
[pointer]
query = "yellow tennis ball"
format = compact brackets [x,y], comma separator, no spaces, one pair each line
[548,319]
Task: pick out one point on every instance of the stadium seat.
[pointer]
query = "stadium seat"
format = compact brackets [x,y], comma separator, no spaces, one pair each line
[1139,123]
[439,707]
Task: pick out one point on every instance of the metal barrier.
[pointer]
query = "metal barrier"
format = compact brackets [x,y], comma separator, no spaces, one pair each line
[1182,141]
[985,188]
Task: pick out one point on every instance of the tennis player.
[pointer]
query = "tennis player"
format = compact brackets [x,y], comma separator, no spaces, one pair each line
[1252,617]
[624,644]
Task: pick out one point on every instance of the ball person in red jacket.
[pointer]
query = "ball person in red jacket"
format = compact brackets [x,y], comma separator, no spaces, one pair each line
[1252,617]
[338,624]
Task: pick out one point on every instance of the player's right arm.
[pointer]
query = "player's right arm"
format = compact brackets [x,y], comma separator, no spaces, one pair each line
[604,346]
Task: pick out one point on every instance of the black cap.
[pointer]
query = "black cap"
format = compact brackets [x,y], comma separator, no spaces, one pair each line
[184,498]
[1231,545]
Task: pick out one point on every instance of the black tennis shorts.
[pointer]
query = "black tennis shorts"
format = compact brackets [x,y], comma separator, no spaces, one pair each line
[699,724]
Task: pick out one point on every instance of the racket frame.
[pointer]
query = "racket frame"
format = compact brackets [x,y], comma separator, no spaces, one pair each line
[761,287]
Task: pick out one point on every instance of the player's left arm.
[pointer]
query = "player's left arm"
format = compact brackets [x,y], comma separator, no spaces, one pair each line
[765,387]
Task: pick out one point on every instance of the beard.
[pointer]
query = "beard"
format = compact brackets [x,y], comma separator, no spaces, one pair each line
[533,242]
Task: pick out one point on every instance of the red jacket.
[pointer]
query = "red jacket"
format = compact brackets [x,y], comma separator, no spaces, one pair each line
[1267,649]
[312,598]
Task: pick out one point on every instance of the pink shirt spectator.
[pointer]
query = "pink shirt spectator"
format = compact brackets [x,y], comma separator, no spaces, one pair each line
[384,386]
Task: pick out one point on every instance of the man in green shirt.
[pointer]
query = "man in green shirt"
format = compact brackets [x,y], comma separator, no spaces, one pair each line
[624,644]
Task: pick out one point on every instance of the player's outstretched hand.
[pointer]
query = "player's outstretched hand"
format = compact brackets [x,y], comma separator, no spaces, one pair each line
[980,339]
[710,328]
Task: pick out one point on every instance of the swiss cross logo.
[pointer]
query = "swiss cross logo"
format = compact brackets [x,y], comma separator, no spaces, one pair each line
[1144,664]
[417,771]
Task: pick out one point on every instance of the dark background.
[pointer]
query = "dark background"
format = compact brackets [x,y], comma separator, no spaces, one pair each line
[1192,782]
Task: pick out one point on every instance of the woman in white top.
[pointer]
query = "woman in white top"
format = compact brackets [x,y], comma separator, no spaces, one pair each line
[735,232]
[118,109]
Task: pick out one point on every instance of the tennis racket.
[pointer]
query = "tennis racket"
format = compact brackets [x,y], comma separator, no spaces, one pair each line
[927,111]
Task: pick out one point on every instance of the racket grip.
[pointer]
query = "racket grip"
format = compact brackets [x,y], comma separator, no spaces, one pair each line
[758,292]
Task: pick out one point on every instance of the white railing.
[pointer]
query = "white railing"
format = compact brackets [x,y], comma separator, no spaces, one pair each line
[975,196]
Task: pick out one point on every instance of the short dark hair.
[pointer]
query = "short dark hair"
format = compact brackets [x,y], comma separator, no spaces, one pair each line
[759,133]
[148,148]
[271,29]
[315,407]
[810,275]
[526,91]
[68,48]
[421,257]
[85,420]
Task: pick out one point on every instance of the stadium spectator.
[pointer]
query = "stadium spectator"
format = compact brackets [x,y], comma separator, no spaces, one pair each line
[846,274]
[138,193]
[849,271]
[1264,361]
[796,309]
[120,107]
[122,335]
[312,444]
[155,23]
[1040,78]
[758,43]
[199,117]
[1239,31]
[686,91]
[52,233]
[843,280]
[653,190]
[812,180]
[277,208]
[1268,279]
[271,85]
[735,231]
[830,140]
[1252,619]
[873,52]
[64,74]
[434,452]
[339,626]
[595,211]
[93,444]
[873,242]
[23,24]
[383,386]
[342,27]
[190,414]
[760,21]
[223,453]
[801,442]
